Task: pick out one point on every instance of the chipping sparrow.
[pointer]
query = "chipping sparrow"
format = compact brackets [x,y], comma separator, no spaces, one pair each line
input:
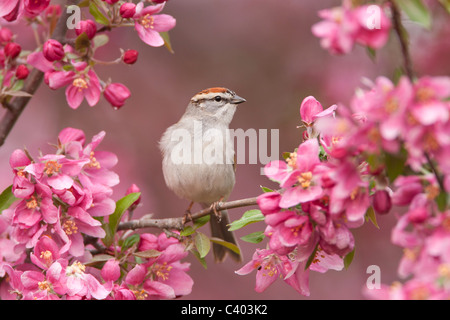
[198,158]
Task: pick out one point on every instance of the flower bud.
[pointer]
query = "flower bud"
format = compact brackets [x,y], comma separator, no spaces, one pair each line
[22,72]
[12,50]
[110,1]
[159,1]
[130,56]
[381,202]
[53,50]
[88,27]
[127,10]
[111,270]
[269,202]
[116,94]
[132,189]
[6,36]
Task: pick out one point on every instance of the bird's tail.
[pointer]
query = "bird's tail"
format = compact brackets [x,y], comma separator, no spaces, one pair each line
[219,229]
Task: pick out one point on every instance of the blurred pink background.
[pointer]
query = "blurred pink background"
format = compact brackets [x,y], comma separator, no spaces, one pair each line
[263,50]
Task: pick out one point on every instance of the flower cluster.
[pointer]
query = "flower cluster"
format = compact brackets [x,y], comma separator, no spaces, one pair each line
[343,168]
[346,25]
[73,66]
[51,234]
[160,276]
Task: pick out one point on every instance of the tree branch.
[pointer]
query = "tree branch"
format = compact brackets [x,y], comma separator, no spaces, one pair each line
[34,80]
[177,223]
[399,30]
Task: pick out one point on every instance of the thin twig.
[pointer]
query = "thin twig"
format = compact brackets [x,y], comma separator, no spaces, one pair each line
[34,80]
[439,178]
[177,223]
[396,20]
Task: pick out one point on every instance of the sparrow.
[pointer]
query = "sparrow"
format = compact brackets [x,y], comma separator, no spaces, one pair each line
[199,159]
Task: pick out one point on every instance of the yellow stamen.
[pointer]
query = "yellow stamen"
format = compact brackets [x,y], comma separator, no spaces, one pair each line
[94,163]
[32,203]
[44,285]
[52,167]
[46,255]
[424,94]
[162,270]
[292,160]
[140,294]
[147,21]
[70,227]
[80,83]
[305,179]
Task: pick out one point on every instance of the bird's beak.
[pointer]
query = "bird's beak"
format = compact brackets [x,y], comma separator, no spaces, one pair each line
[236,100]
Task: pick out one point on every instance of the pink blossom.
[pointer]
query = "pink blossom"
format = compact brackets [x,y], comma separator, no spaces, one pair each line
[82,83]
[270,267]
[311,109]
[344,26]
[111,270]
[148,23]
[298,176]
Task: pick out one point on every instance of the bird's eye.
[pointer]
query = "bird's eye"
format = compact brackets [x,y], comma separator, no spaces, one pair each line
[218,98]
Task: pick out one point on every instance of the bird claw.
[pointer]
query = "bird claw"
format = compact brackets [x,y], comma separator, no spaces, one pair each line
[187,215]
[215,207]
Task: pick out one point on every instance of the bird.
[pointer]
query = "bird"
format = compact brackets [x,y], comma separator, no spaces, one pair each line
[199,160]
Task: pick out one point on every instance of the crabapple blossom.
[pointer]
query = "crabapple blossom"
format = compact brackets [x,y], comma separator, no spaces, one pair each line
[148,23]
[346,25]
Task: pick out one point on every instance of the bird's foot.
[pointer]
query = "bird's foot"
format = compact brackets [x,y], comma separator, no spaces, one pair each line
[187,214]
[215,207]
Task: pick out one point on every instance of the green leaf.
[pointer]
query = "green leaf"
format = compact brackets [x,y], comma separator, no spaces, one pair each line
[372,217]
[416,11]
[286,155]
[7,198]
[99,258]
[200,259]
[311,257]
[130,241]
[226,244]
[187,231]
[441,201]
[122,205]
[348,259]
[97,14]
[372,53]
[265,189]
[248,217]
[199,222]
[395,164]
[255,237]
[166,38]
[147,254]
[100,40]
[82,42]
[202,244]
